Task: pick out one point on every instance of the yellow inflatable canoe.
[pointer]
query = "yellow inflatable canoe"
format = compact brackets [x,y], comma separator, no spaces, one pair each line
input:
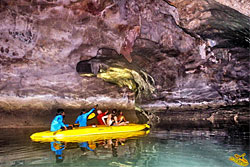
[90,133]
[97,137]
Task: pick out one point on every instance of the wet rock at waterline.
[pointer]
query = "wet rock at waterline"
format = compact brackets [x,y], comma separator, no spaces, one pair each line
[178,51]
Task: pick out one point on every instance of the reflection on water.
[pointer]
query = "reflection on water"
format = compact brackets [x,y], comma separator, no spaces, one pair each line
[58,147]
[109,144]
[161,148]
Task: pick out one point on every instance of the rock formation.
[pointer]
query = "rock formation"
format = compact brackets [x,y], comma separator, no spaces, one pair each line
[197,53]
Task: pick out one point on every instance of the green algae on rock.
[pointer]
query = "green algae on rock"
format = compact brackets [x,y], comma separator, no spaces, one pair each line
[139,82]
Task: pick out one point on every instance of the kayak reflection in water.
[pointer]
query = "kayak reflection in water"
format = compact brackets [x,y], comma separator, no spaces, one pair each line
[113,144]
[84,146]
[58,147]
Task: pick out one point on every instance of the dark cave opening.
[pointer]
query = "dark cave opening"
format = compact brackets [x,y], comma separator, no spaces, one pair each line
[84,67]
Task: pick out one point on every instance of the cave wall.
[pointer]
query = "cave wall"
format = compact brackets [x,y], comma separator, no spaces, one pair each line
[179,43]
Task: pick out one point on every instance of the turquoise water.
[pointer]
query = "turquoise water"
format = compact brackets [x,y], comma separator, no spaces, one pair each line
[160,148]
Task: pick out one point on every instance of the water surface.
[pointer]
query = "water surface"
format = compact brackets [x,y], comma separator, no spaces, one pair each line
[185,147]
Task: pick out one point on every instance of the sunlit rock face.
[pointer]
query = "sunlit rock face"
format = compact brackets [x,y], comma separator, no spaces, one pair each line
[192,57]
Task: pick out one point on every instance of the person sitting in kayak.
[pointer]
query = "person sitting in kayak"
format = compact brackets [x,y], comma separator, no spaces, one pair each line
[115,118]
[112,119]
[121,119]
[57,122]
[100,115]
[109,120]
[82,118]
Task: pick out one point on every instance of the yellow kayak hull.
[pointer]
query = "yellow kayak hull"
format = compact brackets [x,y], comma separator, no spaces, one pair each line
[89,133]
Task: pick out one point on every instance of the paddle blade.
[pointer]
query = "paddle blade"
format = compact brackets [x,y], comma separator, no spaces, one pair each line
[91,116]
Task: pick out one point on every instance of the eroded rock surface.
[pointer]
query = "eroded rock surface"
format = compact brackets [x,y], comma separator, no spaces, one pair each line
[197,52]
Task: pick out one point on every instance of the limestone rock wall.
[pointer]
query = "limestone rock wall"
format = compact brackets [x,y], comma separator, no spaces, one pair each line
[191,57]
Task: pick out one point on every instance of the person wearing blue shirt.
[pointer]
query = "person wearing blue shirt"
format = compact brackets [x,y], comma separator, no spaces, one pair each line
[57,122]
[82,118]
[58,147]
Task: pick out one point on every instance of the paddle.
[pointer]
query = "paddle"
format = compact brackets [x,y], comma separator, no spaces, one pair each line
[57,131]
[91,116]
